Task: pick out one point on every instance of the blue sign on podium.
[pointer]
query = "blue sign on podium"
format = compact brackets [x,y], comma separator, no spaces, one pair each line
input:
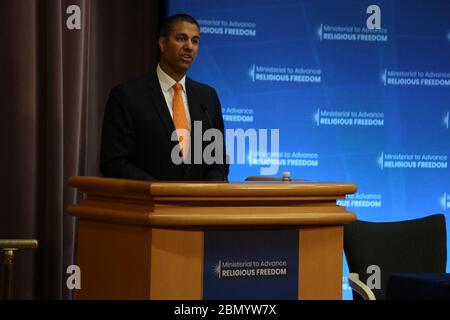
[251,264]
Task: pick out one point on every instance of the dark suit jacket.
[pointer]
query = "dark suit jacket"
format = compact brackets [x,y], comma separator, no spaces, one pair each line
[137,127]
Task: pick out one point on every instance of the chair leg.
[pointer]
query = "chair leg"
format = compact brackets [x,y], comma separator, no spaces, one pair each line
[8,257]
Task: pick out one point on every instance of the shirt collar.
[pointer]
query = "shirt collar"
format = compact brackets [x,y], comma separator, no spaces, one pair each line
[166,81]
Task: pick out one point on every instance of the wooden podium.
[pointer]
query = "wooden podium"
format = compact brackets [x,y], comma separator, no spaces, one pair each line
[143,240]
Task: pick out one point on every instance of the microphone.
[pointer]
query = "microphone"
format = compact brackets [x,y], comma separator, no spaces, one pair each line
[222,167]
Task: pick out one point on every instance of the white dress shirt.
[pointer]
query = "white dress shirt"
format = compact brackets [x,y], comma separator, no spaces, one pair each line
[166,83]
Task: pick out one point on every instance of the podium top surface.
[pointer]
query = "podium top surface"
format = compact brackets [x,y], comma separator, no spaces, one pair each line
[211,189]
[208,204]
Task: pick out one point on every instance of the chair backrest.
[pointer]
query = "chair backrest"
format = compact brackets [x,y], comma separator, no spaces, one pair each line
[418,245]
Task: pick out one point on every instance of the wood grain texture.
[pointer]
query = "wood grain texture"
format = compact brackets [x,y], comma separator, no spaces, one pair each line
[114,261]
[177,268]
[320,263]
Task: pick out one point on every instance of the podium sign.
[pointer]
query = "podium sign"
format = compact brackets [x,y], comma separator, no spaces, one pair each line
[251,264]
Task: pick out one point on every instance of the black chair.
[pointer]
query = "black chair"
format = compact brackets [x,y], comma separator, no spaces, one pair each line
[411,246]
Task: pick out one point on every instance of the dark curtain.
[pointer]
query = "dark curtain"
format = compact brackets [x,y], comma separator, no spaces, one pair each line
[54,83]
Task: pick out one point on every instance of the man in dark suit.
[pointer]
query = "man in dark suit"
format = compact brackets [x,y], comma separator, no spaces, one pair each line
[142,115]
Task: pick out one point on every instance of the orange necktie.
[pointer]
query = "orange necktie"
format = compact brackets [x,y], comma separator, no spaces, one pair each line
[180,120]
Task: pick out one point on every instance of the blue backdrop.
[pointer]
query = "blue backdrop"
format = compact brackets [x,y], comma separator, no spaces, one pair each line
[351,103]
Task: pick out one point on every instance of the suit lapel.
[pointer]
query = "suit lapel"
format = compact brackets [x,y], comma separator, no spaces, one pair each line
[194,102]
[196,113]
[160,105]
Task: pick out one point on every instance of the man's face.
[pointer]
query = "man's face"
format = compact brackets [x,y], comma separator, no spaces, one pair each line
[179,49]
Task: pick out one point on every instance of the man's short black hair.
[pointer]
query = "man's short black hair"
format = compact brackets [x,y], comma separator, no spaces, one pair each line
[164,31]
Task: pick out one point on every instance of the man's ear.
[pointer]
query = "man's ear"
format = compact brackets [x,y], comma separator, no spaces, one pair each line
[162,43]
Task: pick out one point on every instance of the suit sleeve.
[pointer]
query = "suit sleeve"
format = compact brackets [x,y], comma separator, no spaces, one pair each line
[118,140]
[218,172]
